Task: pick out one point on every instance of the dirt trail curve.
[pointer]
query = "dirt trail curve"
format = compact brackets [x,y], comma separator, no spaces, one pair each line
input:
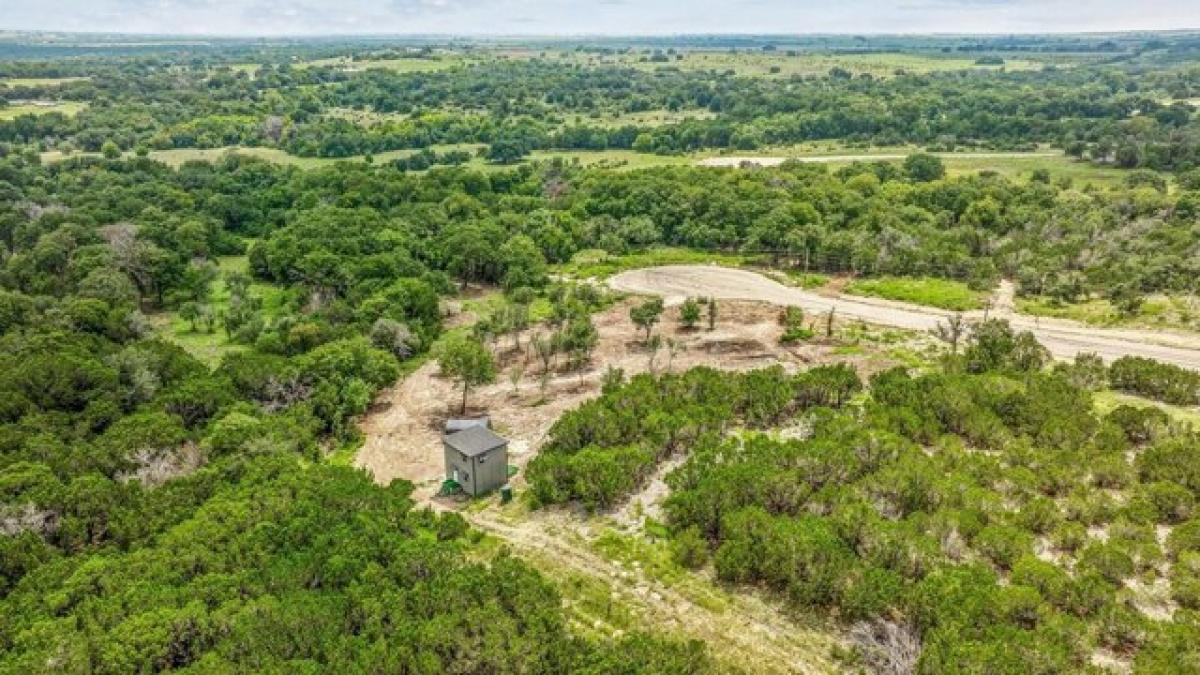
[742,629]
[1064,339]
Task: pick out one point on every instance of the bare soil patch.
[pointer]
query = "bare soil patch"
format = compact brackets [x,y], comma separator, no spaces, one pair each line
[403,429]
[1063,338]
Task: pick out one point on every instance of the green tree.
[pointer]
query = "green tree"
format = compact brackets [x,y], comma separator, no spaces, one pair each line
[524,263]
[646,314]
[468,361]
[689,313]
[923,167]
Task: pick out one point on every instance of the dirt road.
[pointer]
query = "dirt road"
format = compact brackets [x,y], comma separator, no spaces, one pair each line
[1064,339]
[837,159]
[740,628]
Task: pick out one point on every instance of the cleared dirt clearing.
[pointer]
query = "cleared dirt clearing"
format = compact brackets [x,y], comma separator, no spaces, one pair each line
[1064,339]
[607,594]
[403,429]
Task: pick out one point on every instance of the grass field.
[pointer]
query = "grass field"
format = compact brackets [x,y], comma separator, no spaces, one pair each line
[247,68]
[1158,311]
[940,293]
[802,279]
[1060,166]
[616,159]
[414,65]
[210,347]
[68,108]
[38,81]
[1105,401]
[645,118]
[1017,167]
[594,263]
[779,63]
[957,164]
[177,157]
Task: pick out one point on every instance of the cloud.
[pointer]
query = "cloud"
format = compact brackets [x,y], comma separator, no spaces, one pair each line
[316,17]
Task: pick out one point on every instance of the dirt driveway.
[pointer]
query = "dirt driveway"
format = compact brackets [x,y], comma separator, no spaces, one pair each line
[1064,339]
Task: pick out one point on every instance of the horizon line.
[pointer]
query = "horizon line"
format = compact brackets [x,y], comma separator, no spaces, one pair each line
[567,35]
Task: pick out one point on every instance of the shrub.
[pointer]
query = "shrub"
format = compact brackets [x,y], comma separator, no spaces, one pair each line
[689,548]
[1069,536]
[1160,381]
[1185,580]
[689,313]
[1040,515]
[1108,559]
[1003,544]
[1138,423]
[1165,501]
[1050,580]
[1185,537]
[1174,459]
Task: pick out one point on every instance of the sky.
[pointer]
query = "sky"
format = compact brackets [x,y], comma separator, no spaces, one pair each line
[578,17]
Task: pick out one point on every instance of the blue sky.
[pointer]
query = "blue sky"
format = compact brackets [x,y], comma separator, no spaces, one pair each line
[544,17]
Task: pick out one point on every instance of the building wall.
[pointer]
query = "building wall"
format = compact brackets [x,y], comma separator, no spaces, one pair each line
[492,473]
[485,476]
[454,461]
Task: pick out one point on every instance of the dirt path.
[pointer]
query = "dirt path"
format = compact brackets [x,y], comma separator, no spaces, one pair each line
[737,161]
[1063,338]
[739,628]
[1004,300]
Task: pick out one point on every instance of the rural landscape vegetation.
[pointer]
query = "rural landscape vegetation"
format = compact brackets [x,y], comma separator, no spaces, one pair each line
[812,353]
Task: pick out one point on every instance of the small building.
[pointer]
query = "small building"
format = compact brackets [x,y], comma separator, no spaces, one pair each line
[476,458]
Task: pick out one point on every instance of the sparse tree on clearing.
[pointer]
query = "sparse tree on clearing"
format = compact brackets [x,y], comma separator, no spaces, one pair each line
[207,317]
[515,375]
[646,315]
[467,361]
[674,347]
[689,313]
[829,322]
[190,312]
[545,346]
[516,319]
[653,344]
[613,379]
[712,313]
[579,339]
[951,331]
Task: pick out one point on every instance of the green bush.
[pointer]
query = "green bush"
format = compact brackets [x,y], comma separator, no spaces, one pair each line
[1184,537]
[1003,544]
[1160,381]
[1109,560]
[689,548]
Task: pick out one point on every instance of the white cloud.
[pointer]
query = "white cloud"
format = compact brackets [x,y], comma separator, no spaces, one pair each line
[276,17]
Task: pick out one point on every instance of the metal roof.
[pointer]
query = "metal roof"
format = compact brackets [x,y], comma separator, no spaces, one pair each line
[456,425]
[474,441]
